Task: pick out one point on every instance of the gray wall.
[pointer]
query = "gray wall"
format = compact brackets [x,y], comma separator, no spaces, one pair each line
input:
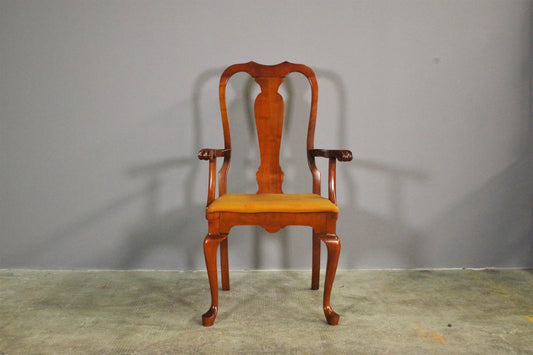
[104,105]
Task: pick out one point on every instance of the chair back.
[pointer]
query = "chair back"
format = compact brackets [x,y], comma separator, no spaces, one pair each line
[269,109]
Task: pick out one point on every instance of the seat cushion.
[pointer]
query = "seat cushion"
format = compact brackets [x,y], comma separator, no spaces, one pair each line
[257,203]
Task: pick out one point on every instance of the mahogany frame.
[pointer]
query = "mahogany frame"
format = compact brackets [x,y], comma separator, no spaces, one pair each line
[269,112]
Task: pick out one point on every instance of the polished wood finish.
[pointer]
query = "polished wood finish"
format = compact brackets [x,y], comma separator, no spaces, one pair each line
[269,112]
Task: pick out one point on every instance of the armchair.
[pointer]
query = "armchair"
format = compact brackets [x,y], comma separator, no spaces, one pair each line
[270,208]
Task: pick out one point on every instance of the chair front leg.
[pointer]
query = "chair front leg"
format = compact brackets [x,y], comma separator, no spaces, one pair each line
[315,273]
[334,247]
[211,243]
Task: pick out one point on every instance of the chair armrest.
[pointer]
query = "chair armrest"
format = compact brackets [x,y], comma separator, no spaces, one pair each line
[333,155]
[339,154]
[209,154]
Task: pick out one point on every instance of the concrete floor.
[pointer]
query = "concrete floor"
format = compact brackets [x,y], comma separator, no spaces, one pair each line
[397,312]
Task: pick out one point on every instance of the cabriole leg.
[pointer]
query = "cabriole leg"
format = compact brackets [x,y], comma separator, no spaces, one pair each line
[334,247]
[211,243]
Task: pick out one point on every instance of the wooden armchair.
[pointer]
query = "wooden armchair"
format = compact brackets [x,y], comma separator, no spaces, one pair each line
[270,208]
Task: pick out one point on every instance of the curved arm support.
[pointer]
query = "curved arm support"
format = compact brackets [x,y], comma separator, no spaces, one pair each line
[211,155]
[333,156]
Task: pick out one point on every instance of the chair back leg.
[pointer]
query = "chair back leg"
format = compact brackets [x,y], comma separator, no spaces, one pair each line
[315,273]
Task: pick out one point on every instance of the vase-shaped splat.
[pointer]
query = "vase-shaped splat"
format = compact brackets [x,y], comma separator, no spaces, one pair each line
[269,110]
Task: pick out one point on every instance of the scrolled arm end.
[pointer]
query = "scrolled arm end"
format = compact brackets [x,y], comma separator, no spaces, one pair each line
[344,155]
[339,154]
[205,154]
[210,154]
